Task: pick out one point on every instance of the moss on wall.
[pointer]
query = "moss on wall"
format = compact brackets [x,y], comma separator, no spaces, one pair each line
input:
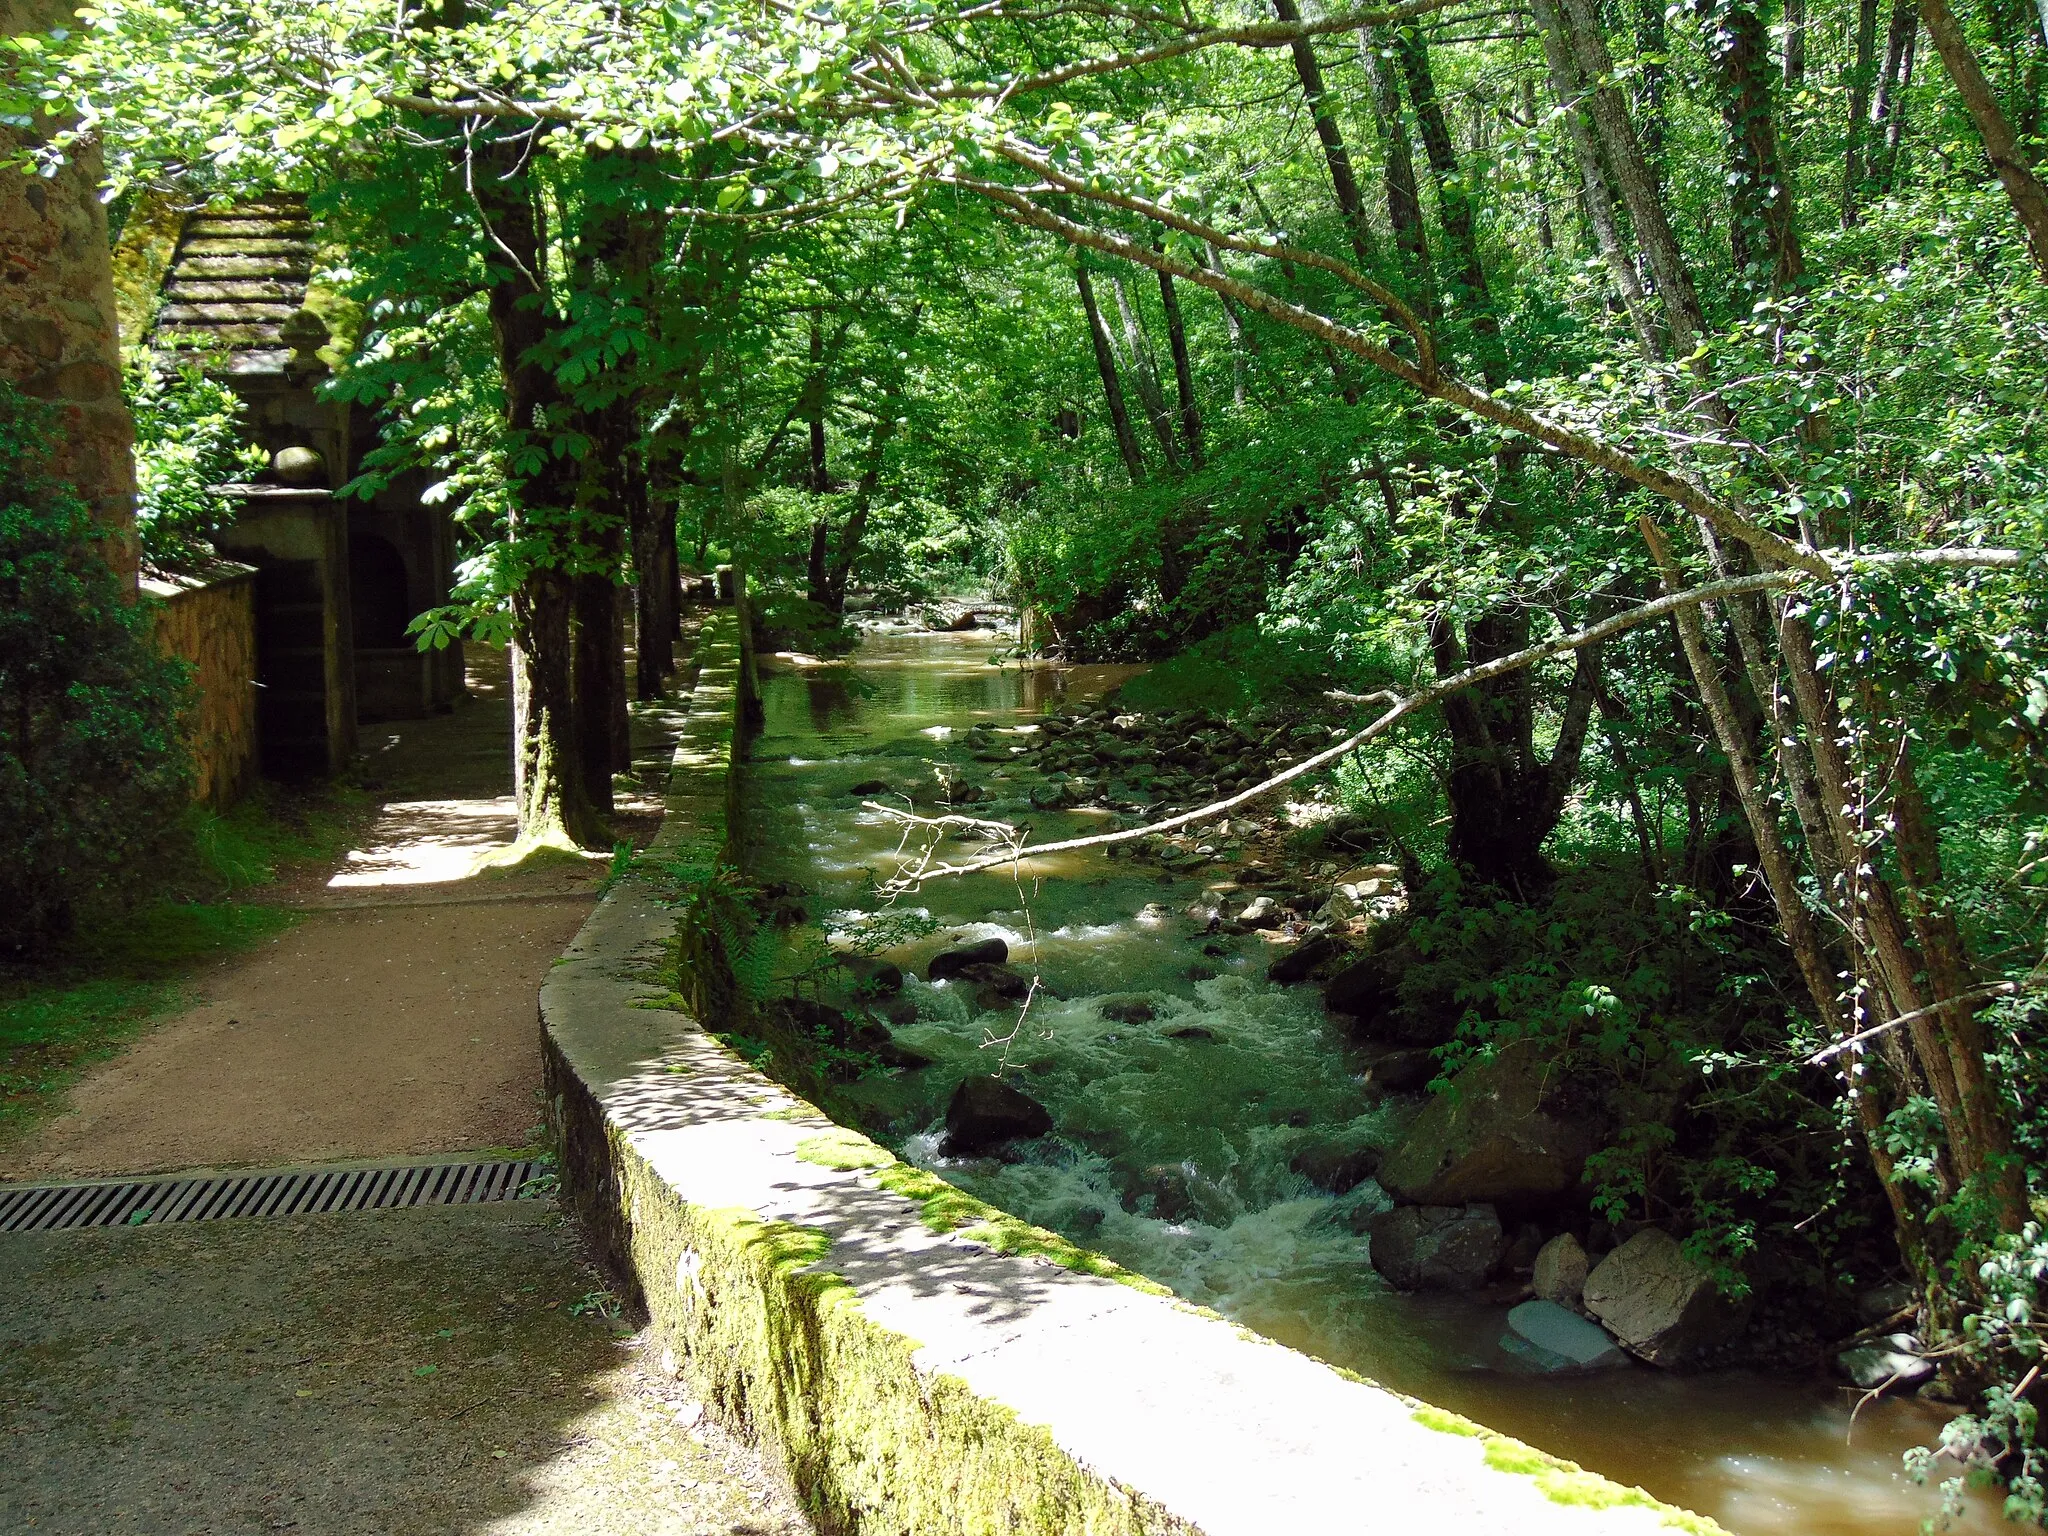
[784,1353]
[1560,1481]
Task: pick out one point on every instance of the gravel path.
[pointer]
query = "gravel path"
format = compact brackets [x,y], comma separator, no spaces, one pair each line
[392,1373]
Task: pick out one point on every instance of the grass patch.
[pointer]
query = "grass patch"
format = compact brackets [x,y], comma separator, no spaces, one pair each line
[270,831]
[61,1018]
[842,1150]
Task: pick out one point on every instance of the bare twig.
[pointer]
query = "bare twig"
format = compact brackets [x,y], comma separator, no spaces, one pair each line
[1400,707]
[1974,995]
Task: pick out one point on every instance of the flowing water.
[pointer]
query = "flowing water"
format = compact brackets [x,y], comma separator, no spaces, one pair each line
[1175,1133]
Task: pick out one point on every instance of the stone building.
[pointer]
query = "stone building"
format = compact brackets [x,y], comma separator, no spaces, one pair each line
[338,579]
[57,338]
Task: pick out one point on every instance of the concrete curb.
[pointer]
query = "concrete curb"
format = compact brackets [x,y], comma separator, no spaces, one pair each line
[856,1319]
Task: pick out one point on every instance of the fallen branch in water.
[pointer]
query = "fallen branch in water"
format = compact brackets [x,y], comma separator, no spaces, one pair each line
[1402,706]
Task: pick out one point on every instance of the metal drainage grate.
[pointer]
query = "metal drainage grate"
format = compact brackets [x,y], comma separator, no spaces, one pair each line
[152,1202]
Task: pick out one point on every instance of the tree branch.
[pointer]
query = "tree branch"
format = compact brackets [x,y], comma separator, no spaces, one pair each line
[1400,708]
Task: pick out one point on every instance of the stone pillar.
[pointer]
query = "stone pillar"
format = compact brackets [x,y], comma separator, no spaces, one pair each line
[58,337]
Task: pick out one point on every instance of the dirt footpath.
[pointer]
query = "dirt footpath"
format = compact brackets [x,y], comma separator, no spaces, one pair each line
[399,1016]
[444,1372]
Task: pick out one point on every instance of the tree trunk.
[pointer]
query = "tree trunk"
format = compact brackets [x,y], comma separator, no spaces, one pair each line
[595,647]
[1505,800]
[1112,386]
[1653,48]
[1761,231]
[1683,317]
[1568,86]
[1343,179]
[1183,371]
[1233,326]
[1887,108]
[1456,215]
[841,572]
[815,393]
[1404,195]
[1795,44]
[1145,370]
[656,598]
[2028,195]
[1855,167]
[554,804]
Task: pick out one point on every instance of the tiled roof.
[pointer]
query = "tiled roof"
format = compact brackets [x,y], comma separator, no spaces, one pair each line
[237,278]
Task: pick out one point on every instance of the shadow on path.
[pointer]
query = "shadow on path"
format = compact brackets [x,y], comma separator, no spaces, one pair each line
[395,1373]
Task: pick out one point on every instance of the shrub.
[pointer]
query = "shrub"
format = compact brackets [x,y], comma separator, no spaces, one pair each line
[93,773]
[187,443]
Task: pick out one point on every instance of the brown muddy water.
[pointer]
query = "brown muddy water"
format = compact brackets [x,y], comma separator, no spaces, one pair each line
[1141,1107]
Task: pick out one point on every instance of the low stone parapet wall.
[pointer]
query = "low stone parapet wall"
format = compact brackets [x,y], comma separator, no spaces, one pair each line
[919,1363]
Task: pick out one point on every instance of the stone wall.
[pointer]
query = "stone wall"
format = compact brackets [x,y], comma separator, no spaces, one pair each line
[209,620]
[57,327]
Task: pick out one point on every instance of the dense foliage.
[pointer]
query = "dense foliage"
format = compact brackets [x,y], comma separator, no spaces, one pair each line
[93,773]
[187,445]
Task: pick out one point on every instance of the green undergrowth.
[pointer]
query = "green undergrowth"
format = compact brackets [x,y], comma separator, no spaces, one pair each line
[267,834]
[1560,1481]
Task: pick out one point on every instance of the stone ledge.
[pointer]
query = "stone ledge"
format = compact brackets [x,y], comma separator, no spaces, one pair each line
[918,1381]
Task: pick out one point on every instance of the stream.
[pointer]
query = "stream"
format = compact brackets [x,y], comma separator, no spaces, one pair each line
[1175,1133]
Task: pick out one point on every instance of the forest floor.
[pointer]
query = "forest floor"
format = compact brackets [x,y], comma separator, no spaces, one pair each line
[386,1373]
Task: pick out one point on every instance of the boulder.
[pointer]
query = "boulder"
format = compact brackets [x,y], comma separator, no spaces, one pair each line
[876,1040]
[1196,1034]
[1436,1247]
[873,975]
[814,1020]
[1167,1192]
[985,1112]
[1497,1133]
[1561,1270]
[1662,1305]
[1340,907]
[894,1053]
[1892,1363]
[1126,1008]
[870,787]
[1299,961]
[1048,797]
[1334,1166]
[952,962]
[1551,1339]
[1882,1303]
[1260,912]
[1408,1070]
[994,980]
[1363,990]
